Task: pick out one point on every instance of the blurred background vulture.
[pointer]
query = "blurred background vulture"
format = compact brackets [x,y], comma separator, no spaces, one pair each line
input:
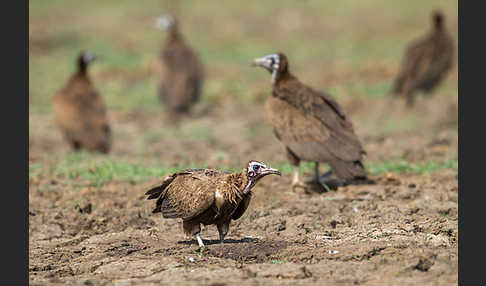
[426,62]
[79,111]
[207,196]
[179,71]
[312,126]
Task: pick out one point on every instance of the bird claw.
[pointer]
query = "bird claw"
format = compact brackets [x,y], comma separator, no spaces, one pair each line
[299,184]
[316,186]
[202,249]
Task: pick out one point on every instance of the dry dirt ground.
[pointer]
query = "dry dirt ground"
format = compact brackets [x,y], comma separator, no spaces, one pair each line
[402,230]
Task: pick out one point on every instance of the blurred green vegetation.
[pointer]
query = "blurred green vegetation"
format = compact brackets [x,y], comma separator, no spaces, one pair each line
[406,167]
[97,169]
[318,36]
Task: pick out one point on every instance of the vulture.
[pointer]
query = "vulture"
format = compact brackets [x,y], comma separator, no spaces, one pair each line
[312,126]
[207,196]
[180,71]
[426,61]
[79,111]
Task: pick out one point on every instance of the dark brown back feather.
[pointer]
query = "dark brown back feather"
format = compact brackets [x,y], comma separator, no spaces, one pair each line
[186,193]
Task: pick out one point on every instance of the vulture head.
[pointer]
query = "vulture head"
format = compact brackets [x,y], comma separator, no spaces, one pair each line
[276,64]
[166,22]
[438,19]
[84,59]
[255,171]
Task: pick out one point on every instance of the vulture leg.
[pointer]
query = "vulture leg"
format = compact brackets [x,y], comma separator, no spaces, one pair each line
[294,160]
[318,181]
[296,182]
[409,92]
[410,100]
[315,178]
[199,240]
[223,230]
[193,228]
[296,179]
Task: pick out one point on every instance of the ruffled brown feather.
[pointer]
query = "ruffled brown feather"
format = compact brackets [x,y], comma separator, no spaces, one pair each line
[188,193]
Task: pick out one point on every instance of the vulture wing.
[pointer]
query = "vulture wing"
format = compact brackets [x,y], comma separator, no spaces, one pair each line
[185,194]
[413,55]
[441,56]
[313,125]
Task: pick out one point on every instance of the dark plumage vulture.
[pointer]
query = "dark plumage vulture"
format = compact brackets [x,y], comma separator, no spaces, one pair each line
[207,196]
[79,111]
[180,71]
[426,62]
[312,126]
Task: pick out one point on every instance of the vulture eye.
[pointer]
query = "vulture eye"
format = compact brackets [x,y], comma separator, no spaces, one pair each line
[256,167]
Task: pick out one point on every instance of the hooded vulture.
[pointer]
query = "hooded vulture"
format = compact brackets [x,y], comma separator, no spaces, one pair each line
[312,126]
[207,196]
[79,111]
[426,61]
[180,71]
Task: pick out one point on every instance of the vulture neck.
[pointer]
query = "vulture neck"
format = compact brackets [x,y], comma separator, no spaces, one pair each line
[439,28]
[438,24]
[81,76]
[284,79]
[241,183]
[174,36]
[82,69]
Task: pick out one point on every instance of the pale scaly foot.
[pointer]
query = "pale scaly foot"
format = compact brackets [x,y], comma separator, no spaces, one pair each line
[297,183]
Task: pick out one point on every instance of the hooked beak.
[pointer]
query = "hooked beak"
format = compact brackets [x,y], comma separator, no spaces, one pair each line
[262,62]
[269,171]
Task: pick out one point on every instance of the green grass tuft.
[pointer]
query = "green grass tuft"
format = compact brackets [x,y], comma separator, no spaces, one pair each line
[278,261]
[98,170]
[406,167]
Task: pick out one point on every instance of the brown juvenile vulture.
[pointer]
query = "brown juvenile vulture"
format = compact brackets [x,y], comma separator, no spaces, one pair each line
[426,62]
[207,196]
[312,126]
[79,111]
[180,71]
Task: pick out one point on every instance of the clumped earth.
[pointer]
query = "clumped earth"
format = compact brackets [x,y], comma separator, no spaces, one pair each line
[400,230]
